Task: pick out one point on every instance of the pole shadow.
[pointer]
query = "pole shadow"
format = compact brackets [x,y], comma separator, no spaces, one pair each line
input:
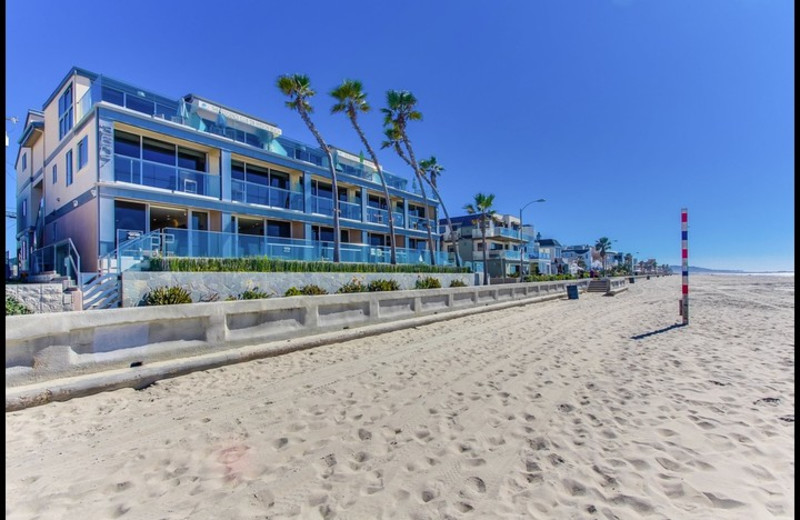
[659,331]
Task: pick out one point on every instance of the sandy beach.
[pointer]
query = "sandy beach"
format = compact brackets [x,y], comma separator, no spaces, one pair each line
[577,409]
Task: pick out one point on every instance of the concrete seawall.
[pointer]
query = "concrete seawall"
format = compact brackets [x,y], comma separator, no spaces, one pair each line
[132,347]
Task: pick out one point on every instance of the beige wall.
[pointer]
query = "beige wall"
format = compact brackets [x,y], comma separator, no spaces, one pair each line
[82,179]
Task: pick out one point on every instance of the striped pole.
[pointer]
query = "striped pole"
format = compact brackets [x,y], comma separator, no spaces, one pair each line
[685,265]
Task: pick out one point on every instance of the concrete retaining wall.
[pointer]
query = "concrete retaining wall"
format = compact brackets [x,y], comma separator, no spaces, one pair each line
[213,286]
[83,342]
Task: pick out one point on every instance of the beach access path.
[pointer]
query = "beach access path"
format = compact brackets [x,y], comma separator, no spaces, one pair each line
[599,407]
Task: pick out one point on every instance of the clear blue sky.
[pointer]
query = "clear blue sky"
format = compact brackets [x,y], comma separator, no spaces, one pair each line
[618,112]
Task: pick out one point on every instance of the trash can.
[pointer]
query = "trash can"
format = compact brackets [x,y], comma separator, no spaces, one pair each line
[572,292]
[632,279]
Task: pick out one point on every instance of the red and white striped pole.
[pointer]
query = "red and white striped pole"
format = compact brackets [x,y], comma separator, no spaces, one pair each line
[685,265]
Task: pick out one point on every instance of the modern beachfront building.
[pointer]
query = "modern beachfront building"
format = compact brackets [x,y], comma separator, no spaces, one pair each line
[107,166]
[505,242]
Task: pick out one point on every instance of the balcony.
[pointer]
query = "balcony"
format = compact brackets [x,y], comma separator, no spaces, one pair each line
[252,193]
[172,242]
[420,223]
[172,178]
[501,232]
[506,254]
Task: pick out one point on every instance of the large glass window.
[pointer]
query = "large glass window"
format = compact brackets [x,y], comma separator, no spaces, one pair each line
[158,151]
[69,167]
[259,175]
[322,234]
[126,144]
[129,216]
[191,159]
[321,190]
[55,173]
[376,202]
[83,152]
[277,228]
[65,113]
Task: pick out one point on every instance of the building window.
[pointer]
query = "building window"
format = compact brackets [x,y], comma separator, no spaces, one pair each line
[69,167]
[24,207]
[83,152]
[24,161]
[55,174]
[65,113]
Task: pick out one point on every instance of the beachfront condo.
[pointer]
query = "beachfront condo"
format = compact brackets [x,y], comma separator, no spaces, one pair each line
[107,171]
[505,242]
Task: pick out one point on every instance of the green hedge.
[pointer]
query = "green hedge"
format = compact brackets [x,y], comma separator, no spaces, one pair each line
[272,265]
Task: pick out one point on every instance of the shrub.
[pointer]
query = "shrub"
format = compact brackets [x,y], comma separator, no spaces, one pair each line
[458,283]
[428,282]
[250,294]
[306,290]
[313,290]
[383,285]
[167,296]
[352,286]
[15,307]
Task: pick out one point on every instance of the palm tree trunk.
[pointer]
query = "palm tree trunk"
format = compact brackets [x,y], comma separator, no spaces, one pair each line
[422,189]
[334,184]
[447,217]
[483,240]
[393,258]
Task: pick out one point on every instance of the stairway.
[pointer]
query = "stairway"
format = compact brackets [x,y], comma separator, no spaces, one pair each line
[603,286]
[102,291]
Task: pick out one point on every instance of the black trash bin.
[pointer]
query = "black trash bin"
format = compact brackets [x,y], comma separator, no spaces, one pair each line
[572,292]
[632,279]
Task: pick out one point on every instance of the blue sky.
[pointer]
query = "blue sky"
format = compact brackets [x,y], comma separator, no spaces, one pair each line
[618,112]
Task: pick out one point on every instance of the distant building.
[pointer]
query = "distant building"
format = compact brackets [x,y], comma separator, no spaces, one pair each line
[553,250]
[505,242]
[577,258]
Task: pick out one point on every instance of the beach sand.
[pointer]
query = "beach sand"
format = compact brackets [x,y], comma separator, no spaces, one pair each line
[574,409]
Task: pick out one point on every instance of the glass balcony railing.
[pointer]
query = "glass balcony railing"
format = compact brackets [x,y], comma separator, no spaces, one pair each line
[252,193]
[421,224]
[504,253]
[502,232]
[172,242]
[156,175]
[350,210]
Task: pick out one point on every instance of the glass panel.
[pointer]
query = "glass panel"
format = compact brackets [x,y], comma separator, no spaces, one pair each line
[158,151]
[279,180]
[140,105]
[277,228]
[191,159]
[126,144]
[257,175]
[113,96]
[237,170]
[129,216]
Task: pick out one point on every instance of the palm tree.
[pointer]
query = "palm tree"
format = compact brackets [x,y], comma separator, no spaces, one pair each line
[603,244]
[298,88]
[483,206]
[400,110]
[352,99]
[433,170]
[629,261]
